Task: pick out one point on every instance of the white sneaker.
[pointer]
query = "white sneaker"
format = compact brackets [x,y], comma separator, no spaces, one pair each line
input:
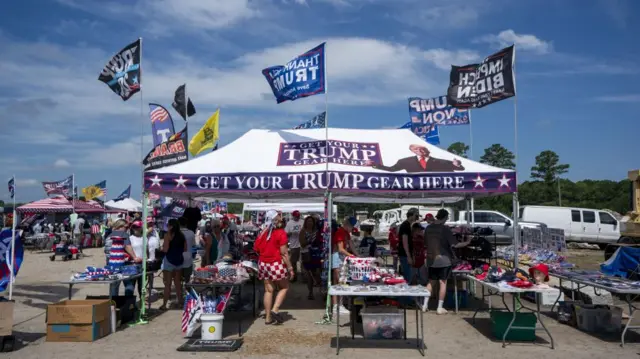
[340,310]
[441,311]
[425,305]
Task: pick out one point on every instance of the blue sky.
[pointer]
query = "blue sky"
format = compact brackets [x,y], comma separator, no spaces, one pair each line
[576,70]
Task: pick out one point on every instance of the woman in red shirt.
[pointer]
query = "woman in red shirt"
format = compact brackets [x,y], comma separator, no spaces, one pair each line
[339,250]
[393,244]
[273,265]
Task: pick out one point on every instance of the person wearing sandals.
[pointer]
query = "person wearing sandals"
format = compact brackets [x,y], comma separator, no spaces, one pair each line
[311,249]
[273,265]
[174,247]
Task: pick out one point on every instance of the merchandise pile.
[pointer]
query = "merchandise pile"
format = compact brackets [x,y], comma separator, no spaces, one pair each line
[514,278]
[382,289]
[534,256]
[226,272]
[599,278]
[107,273]
[368,271]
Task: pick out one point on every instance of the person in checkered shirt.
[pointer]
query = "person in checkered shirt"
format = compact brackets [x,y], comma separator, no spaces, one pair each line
[274,266]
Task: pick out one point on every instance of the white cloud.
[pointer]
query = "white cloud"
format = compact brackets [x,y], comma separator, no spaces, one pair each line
[523,42]
[27,182]
[630,98]
[61,163]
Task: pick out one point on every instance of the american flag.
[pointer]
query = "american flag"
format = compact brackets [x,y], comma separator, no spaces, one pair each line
[159,114]
[189,311]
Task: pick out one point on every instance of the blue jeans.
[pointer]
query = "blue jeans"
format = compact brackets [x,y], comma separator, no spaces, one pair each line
[407,274]
[129,286]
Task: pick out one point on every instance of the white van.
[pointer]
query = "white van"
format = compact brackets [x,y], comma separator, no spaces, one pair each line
[579,224]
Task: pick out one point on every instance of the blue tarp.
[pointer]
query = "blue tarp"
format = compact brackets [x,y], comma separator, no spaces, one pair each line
[623,261]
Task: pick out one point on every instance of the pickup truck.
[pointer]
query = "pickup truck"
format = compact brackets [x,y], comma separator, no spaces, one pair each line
[501,224]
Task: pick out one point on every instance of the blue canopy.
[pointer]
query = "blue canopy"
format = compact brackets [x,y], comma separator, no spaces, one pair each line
[623,261]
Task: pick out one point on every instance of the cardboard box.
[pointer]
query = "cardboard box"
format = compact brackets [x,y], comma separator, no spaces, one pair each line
[6,318]
[78,320]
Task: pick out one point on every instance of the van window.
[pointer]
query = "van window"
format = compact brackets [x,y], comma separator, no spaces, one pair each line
[575,216]
[589,216]
[606,218]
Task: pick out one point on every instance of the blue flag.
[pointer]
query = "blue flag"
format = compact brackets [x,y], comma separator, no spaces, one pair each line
[301,77]
[123,195]
[430,135]
[317,121]
[5,257]
[161,124]
[436,111]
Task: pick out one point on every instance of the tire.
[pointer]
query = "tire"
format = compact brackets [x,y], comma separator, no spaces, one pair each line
[626,240]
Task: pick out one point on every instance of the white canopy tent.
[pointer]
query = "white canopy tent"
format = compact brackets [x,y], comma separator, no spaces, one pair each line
[393,166]
[286,207]
[127,204]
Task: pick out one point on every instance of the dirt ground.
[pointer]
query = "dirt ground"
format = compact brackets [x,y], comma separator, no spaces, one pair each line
[450,336]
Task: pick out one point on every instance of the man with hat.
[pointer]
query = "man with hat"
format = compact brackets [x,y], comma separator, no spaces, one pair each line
[405,247]
[293,231]
[439,243]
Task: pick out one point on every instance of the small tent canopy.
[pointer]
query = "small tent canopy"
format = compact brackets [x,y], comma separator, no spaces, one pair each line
[356,165]
[127,204]
[60,204]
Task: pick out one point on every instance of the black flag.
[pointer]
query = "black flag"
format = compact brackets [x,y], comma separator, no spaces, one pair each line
[479,85]
[122,72]
[185,110]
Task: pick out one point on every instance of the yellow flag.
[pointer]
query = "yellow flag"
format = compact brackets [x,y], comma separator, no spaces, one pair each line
[207,137]
[92,192]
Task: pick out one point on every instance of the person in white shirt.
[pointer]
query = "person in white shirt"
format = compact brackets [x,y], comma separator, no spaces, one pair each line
[78,226]
[293,232]
[37,229]
[137,244]
[153,241]
[190,238]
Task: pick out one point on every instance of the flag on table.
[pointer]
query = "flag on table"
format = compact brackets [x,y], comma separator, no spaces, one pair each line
[97,190]
[479,85]
[184,109]
[58,187]
[122,72]
[318,121]
[191,313]
[161,123]
[208,135]
[12,187]
[303,76]
[123,195]
[6,261]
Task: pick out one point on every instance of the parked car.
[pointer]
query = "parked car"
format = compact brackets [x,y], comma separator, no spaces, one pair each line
[500,223]
[579,224]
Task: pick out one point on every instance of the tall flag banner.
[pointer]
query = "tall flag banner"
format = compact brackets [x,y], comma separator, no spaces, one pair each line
[431,134]
[318,121]
[95,191]
[12,187]
[124,195]
[436,111]
[161,123]
[301,77]
[58,187]
[6,261]
[123,73]
[479,85]
[208,135]
[179,104]
[170,152]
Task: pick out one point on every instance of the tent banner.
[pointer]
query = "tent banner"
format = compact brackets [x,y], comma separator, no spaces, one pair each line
[347,181]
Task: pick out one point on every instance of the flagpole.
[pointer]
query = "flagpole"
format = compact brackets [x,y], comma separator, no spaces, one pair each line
[516,231]
[73,194]
[472,200]
[13,242]
[328,200]
[143,296]
[186,118]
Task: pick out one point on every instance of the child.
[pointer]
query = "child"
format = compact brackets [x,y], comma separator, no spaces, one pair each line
[368,244]
[417,235]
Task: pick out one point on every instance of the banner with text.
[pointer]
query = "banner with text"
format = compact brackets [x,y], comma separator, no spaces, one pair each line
[479,85]
[301,77]
[435,111]
[168,153]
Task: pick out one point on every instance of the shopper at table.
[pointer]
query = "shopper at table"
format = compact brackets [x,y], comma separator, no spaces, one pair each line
[405,247]
[393,244]
[117,247]
[439,244]
[273,265]
[214,239]
[293,232]
[339,251]
[190,238]
[368,245]
[153,241]
[174,246]
[311,251]
[419,269]
[137,244]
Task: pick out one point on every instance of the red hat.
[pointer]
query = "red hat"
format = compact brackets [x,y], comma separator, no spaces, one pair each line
[542,268]
[428,216]
[295,213]
[137,224]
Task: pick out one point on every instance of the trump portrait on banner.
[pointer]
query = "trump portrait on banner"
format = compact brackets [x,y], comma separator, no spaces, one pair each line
[421,161]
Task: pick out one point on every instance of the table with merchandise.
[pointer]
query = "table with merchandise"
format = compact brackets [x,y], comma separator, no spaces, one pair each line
[104,280]
[627,289]
[499,289]
[392,330]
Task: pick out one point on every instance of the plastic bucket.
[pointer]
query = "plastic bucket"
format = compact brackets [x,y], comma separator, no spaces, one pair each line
[211,328]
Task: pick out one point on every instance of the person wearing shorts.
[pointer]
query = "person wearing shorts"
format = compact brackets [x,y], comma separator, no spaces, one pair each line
[174,246]
[439,243]
[339,241]
[274,267]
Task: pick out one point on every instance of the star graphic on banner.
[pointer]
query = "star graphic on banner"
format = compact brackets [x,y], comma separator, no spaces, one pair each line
[135,79]
[181,182]
[504,181]
[155,181]
[479,182]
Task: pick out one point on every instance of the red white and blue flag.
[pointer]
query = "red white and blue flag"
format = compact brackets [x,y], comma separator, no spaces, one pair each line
[161,124]
[191,313]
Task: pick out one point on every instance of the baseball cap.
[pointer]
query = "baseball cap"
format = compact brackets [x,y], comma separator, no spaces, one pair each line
[428,216]
[295,213]
[412,212]
[442,214]
[137,224]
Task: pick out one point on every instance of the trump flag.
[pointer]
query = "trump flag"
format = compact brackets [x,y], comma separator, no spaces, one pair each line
[161,124]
